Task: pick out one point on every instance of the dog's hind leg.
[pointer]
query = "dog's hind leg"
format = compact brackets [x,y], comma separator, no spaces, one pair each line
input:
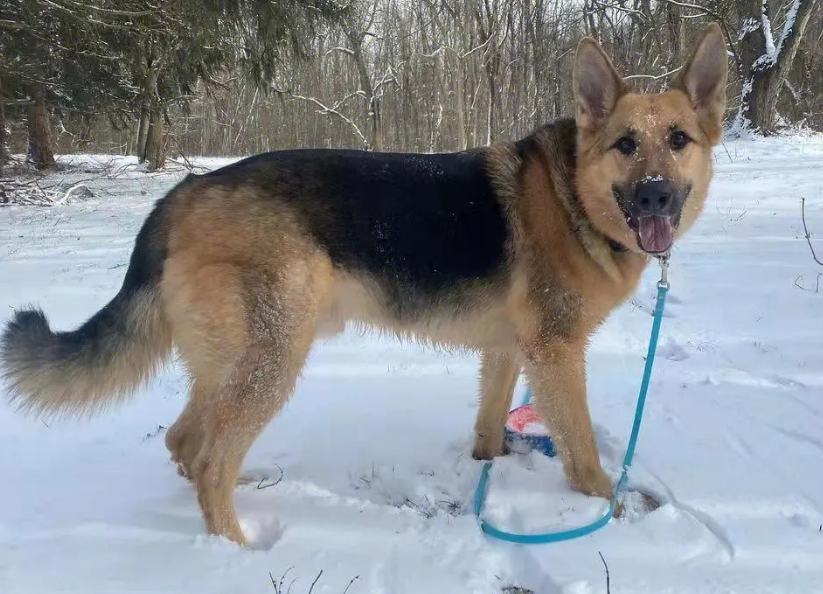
[257,389]
[281,317]
[185,437]
[205,309]
[498,377]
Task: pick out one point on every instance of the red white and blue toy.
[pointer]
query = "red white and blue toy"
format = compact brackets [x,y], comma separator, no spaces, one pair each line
[524,431]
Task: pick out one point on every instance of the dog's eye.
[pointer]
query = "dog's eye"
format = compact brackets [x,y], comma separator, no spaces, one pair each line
[626,145]
[679,139]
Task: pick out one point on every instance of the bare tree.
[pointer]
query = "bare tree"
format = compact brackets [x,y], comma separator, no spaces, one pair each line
[414,75]
[767,56]
[4,152]
[39,151]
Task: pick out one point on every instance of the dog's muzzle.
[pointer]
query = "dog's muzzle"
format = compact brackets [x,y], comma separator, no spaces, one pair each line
[652,209]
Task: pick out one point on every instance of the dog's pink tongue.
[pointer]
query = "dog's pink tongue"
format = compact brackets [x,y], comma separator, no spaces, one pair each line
[655,233]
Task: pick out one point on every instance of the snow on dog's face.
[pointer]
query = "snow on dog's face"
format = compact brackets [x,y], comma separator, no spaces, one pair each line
[644,160]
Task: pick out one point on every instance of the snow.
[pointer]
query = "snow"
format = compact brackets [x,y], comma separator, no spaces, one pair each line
[369,474]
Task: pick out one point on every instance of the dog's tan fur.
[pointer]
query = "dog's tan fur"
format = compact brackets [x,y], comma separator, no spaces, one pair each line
[245,301]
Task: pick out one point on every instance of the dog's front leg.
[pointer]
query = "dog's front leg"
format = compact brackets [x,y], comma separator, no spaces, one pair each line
[498,377]
[557,375]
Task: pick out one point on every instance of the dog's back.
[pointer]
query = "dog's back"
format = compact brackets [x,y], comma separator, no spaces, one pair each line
[414,224]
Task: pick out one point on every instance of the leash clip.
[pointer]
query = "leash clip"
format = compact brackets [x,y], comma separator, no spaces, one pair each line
[664,258]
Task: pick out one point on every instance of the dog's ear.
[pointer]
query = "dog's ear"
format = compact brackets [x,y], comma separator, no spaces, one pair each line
[597,86]
[703,79]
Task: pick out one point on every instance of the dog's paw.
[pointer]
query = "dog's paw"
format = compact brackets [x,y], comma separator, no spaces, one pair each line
[483,451]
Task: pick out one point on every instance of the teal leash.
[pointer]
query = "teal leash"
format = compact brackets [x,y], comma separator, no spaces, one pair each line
[547,537]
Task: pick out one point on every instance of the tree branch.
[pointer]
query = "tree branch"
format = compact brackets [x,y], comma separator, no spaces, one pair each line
[11,25]
[654,77]
[325,110]
[345,50]
[111,11]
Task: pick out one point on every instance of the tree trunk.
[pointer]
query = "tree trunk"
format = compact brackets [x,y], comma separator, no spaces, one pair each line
[765,76]
[142,134]
[40,152]
[155,149]
[677,35]
[86,131]
[372,101]
[486,28]
[148,66]
[463,141]
[4,153]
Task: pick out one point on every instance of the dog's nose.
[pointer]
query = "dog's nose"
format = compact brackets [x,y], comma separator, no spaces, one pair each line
[654,197]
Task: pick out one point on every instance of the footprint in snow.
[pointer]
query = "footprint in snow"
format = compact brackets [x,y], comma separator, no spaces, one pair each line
[673,351]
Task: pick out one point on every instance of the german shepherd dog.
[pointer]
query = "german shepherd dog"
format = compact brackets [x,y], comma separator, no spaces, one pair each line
[519,250]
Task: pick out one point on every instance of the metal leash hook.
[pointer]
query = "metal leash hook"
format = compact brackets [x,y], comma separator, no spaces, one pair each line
[664,259]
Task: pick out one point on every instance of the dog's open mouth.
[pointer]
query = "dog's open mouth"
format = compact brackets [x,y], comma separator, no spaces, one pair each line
[655,233]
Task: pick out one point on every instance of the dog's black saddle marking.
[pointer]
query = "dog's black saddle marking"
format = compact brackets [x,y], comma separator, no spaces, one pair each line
[416,224]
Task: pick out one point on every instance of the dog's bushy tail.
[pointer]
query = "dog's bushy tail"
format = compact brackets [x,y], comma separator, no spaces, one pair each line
[121,346]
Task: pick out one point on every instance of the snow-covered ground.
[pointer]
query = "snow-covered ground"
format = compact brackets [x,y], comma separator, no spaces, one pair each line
[367,477]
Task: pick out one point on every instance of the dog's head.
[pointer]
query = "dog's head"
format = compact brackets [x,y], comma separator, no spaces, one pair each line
[644,160]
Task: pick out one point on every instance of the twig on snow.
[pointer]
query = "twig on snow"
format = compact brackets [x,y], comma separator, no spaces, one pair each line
[317,579]
[29,192]
[261,486]
[69,193]
[608,580]
[278,586]
[354,579]
[802,288]
[155,433]
[806,230]
[186,162]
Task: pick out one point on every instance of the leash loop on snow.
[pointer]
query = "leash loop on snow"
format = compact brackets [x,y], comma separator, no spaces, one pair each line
[547,537]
